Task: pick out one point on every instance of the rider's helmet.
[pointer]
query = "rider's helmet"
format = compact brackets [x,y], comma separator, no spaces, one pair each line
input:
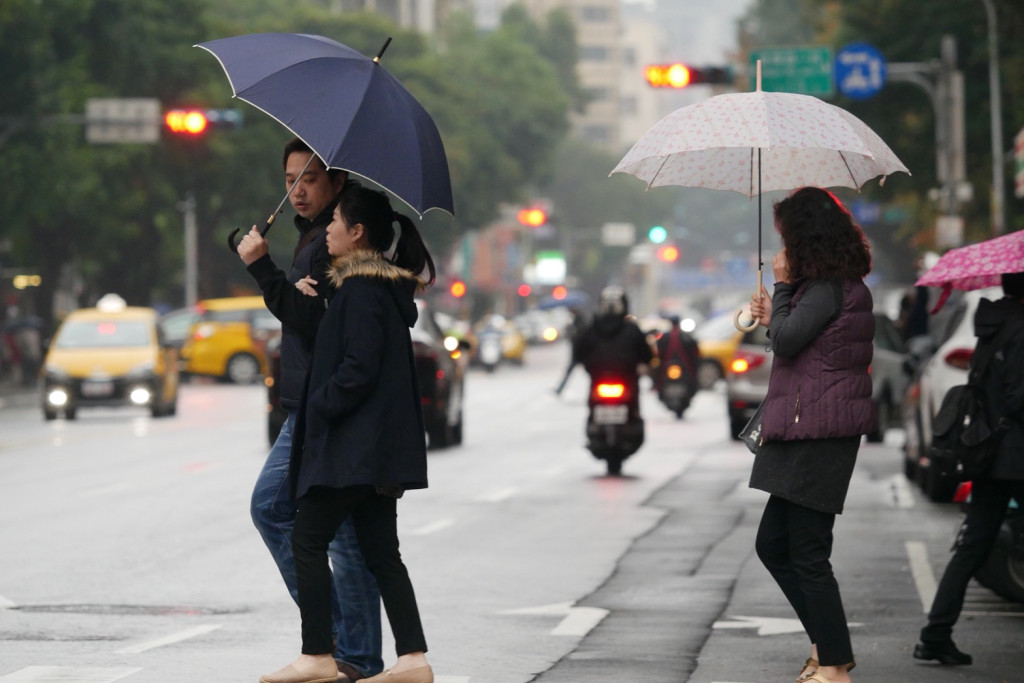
[613,301]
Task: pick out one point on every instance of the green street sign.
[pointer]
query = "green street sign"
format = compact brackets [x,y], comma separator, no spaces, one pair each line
[802,70]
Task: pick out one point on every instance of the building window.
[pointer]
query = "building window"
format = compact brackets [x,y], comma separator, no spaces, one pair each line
[597,94]
[594,53]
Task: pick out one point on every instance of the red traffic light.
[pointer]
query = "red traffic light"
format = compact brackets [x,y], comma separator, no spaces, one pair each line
[186,121]
[668,254]
[533,218]
[681,75]
[524,290]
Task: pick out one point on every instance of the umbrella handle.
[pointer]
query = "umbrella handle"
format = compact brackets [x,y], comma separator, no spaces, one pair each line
[753,323]
[233,246]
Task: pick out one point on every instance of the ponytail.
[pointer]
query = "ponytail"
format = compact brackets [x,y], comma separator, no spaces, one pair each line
[410,252]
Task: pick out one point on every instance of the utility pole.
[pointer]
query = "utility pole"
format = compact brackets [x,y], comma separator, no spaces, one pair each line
[188,209]
[996,107]
[944,84]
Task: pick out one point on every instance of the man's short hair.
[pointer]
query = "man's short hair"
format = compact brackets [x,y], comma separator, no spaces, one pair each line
[1013,285]
[298,145]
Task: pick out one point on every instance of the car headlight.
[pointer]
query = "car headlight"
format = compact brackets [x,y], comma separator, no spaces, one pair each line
[57,397]
[140,395]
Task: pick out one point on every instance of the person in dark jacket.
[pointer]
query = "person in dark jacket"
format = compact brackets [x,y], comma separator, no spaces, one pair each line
[360,441]
[818,405]
[614,345]
[677,347]
[357,623]
[1004,392]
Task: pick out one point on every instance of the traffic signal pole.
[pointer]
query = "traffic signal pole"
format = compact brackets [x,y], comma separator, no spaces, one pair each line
[188,210]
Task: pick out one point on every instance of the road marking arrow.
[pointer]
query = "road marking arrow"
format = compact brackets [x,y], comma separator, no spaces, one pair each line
[68,674]
[766,626]
[578,621]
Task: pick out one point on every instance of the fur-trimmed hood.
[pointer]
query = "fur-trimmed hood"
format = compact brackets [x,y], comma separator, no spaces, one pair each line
[369,264]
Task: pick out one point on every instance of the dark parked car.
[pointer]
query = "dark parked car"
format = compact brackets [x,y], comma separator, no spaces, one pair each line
[440,369]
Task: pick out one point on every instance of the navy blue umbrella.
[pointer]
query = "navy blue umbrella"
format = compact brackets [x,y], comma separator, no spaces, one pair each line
[346,107]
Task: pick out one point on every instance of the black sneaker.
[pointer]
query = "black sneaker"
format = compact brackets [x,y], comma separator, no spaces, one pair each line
[945,653]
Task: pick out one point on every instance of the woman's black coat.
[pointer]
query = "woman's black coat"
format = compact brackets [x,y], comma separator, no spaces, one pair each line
[361,420]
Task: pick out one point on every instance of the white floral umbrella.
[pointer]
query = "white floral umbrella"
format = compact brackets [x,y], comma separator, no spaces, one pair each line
[802,141]
[757,142]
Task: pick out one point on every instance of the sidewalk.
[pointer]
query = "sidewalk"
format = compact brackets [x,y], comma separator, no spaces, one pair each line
[690,601]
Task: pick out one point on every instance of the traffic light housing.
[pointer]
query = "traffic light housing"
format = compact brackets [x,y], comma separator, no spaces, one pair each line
[679,75]
[196,122]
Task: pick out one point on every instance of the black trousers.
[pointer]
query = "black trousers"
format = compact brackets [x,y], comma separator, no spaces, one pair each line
[795,543]
[320,512]
[989,499]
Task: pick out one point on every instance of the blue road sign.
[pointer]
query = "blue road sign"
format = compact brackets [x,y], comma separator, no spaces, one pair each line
[859,71]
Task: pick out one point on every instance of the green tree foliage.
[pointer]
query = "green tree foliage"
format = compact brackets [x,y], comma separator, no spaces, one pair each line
[902,114]
[98,218]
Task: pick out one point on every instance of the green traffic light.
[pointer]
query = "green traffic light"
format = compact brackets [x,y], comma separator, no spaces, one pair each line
[657,234]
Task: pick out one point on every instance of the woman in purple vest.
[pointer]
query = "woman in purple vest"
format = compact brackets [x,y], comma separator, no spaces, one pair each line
[818,405]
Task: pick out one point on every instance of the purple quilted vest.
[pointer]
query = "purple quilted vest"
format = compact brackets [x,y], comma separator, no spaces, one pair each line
[825,391]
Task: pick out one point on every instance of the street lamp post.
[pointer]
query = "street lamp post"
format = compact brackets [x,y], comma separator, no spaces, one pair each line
[995,104]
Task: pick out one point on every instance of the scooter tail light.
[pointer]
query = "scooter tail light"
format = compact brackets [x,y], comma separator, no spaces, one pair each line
[610,390]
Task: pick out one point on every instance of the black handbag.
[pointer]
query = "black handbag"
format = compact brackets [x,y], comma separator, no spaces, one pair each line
[751,433]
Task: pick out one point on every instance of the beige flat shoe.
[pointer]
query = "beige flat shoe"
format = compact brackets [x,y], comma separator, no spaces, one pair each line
[811,664]
[421,674]
[289,674]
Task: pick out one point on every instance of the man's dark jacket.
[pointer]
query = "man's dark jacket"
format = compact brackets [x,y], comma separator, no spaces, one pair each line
[299,314]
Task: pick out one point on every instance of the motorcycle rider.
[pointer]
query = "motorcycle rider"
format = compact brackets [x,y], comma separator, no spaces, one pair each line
[677,348]
[614,345]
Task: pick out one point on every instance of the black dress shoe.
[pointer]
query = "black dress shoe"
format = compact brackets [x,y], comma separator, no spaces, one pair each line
[946,653]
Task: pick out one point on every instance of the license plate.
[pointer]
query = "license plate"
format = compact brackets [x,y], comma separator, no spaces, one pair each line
[97,388]
[611,415]
[675,391]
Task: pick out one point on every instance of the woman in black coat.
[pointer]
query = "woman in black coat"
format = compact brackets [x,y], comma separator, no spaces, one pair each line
[359,440]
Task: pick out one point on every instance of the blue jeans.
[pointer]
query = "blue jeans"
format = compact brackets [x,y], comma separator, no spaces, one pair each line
[355,596]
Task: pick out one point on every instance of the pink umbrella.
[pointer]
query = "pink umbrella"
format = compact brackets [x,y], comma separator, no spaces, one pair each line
[975,266]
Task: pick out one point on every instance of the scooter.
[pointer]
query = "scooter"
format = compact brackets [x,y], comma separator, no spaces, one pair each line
[676,390]
[489,352]
[1003,571]
[615,429]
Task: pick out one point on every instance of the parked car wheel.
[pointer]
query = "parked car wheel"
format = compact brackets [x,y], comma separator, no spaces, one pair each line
[243,368]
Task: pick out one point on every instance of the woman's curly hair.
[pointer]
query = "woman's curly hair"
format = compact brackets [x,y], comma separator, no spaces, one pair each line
[822,242]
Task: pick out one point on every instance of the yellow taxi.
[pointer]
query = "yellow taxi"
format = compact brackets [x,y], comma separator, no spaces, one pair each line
[717,339]
[224,341]
[110,355]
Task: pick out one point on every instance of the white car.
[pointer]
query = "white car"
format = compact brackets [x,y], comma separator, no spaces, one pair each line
[945,368]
